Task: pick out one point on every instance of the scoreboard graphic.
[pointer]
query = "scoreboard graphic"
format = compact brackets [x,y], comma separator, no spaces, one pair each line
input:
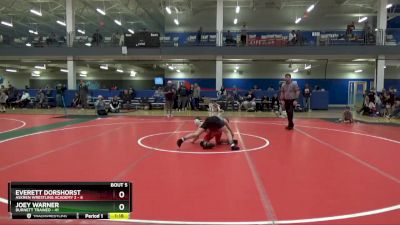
[70,200]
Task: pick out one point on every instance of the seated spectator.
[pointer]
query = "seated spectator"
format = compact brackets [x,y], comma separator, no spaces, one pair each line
[265,103]
[132,92]
[158,95]
[275,102]
[347,116]
[115,105]
[249,102]
[76,102]
[24,100]
[41,99]
[126,98]
[396,109]
[100,106]
[221,94]
[3,101]
[270,89]
[214,107]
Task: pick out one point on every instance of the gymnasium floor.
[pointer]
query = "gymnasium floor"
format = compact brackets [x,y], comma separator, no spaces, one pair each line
[320,173]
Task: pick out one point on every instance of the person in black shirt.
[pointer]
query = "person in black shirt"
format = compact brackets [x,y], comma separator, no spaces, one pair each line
[306,98]
[115,105]
[214,126]
[169,94]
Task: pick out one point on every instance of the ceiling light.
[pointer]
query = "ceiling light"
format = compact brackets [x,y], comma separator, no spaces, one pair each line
[101,11]
[235,21]
[28,44]
[41,67]
[171,68]
[237,9]
[36,12]
[83,75]
[310,8]
[88,44]
[236,67]
[176,21]
[131,31]
[296,70]
[84,72]
[104,67]
[307,67]
[120,71]
[7,23]
[81,31]
[168,9]
[176,10]
[118,22]
[297,20]
[33,32]
[35,73]
[362,19]
[61,23]
[389,6]
[178,71]
[357,71]
[235,71]
[133,73]
[64,70]
[11,70]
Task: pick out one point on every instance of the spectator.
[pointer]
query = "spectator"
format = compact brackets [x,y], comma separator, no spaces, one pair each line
[299,37]
[289,93]
[83,92]
[249,103]
[229,39]
[385,102]
[169,93]
[391,100]
[307,98]
[396,109]
[292,38]
[122,40]
[2,88]
[41,99]
[76,101]
[349,31]
[26,87]
[221,94]
[97,38]
[347,116]
[115,38]
[243,35]
[196,96]
[3,100]
[12,94]
[275,104]
[24,100]
[182,97]
[367,32]
[158,95]
[126,99]
[132,92]
[256,88]
[270,89]
[198,36]
[59,94]
[100,106]
[51,39]
[115,105]
[265,103]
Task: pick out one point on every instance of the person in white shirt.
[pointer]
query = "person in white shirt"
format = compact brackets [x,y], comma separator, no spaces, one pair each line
[24,100]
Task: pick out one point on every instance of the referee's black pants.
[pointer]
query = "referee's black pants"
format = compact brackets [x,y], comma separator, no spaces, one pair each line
[289,111]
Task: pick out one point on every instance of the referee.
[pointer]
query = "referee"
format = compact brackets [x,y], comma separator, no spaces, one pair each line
[289,93]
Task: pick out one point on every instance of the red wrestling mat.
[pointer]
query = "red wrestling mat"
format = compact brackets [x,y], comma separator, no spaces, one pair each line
[319,173]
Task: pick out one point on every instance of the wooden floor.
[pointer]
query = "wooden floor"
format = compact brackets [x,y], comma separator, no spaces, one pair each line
[332,113]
